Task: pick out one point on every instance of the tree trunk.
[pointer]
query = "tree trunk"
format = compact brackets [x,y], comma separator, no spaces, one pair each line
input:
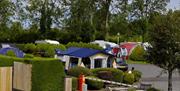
[170,80]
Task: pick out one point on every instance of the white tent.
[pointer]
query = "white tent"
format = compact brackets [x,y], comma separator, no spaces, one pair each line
[104,44]
[47,41]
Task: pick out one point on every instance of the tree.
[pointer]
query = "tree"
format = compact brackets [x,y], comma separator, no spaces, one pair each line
[141,9]
[81,20]
[165,44]
[45,13]
[6,10]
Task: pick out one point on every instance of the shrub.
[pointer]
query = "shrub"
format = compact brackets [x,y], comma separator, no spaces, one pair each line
[138,54]
[117,75]
[106,75]
[84,45]
[137,75]
[76,71]
[48,50]
[47,76]
[47,73]
[43,50]
[8,60]
[128,78]
[11,53]
[131,89]
[29,48]
[74,84]
[29,56]
[152,89]
[94,85]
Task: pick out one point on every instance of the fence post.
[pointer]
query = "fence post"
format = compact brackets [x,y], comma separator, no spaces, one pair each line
[68,84]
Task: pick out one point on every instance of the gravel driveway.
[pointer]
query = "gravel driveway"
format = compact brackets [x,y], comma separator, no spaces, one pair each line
[151,74]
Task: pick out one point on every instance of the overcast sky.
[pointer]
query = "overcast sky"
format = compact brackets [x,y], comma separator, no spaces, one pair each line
[174,4]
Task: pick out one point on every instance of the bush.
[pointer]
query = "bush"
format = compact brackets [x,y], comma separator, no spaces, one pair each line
[131,89]
[11,53]
[47,76]
[30,48]
[94,85]
[138,54]
[137,75]
[128,78]
[152,89]
[76,71]
[47,73]
[43,50]
[84,45]
[29,56]
[117,75]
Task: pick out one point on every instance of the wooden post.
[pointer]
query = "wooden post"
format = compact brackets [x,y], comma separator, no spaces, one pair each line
[68,84]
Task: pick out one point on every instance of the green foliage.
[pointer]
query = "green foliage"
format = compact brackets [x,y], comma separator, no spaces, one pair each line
[138,54]
[74,84]
[128,78]
[43,50]
[29,48]
[29,56]
[94,85]
[131,89]
[137,75]
[76,71]
[9,60]
[11,53]
[165,43]
[84,45]
[117,75]
[47,76]
[152,89]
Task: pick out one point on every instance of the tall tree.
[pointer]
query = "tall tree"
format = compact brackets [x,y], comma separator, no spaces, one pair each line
[81,19]
[165,48]
[6,10]
[45,13]
[141,9]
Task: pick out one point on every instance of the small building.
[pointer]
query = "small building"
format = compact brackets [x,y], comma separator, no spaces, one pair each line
[86,57]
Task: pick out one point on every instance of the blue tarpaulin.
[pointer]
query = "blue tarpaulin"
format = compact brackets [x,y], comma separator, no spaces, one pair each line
[79,52]
[17,52]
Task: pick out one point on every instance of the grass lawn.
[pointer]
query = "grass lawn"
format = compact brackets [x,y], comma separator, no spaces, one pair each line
[136,62]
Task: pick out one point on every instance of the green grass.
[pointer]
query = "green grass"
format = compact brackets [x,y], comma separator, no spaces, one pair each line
[136,62]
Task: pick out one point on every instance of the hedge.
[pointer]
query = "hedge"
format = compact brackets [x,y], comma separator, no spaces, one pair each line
[137,75]
[8,60]
[138,54]
[84,45]
[94,85]
[47,73]
[77,70]
[128,78]
[47,76]
[43,50]
[117,75]
[74,84]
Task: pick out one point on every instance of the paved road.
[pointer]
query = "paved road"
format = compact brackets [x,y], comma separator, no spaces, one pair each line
[151,74]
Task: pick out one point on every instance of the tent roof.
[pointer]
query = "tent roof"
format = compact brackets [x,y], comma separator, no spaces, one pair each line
[17,52]
[80,52]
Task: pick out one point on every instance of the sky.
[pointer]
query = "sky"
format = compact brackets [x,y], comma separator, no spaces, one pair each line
[174,4]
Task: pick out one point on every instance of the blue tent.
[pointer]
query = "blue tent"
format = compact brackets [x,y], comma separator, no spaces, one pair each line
[79,52]
[17,52]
